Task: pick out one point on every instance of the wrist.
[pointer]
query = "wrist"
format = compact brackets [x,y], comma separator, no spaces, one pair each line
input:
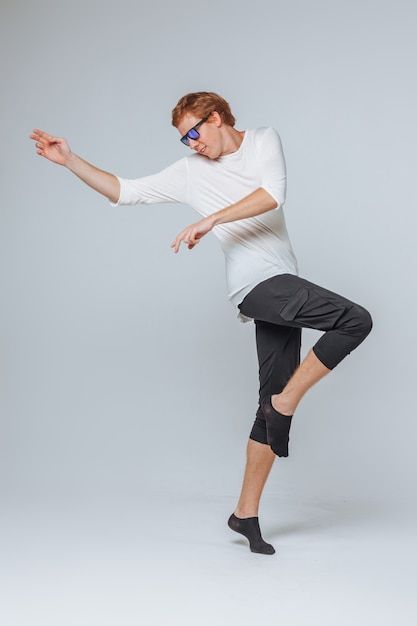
[70,161]
[215,219]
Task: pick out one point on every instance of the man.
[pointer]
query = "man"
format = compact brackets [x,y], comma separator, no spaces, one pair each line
[236,180]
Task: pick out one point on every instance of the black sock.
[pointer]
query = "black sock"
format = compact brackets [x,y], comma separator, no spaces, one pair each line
[277,428]
[249,527]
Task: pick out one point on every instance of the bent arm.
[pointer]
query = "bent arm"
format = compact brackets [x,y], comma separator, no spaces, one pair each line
[256,203]
[57,150]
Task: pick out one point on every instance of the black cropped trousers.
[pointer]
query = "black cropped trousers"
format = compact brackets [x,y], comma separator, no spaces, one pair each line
[281,306]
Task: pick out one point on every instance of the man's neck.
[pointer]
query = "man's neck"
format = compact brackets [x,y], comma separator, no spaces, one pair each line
[232,140]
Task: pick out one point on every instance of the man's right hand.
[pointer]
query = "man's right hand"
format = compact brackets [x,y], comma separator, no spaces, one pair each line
[55,149]
[58,151]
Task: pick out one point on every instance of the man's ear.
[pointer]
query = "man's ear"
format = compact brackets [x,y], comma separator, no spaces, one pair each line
[216,119]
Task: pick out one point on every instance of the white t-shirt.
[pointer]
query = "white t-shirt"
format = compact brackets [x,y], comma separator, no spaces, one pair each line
[255,248]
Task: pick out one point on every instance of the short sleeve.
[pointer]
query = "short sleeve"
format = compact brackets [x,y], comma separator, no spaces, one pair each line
[273,169]
[168,185]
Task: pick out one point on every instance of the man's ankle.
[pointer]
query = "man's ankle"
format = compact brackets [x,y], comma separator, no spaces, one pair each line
[245,512]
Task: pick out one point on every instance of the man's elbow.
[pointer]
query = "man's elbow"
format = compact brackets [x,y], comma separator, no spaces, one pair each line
[114,192]
[271,203]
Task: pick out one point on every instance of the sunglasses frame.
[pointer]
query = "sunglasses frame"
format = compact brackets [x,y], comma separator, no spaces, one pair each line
[186,139]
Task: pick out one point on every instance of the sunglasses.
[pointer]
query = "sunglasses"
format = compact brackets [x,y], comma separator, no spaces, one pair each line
[193,132]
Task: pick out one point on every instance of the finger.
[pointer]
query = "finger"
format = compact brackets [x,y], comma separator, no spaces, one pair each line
[41,141]
[42,134]
[40,148]
[195,238]
[37,140]
[181,236]
[189,235]
[176,244]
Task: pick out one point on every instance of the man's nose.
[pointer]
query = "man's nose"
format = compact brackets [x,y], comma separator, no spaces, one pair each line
[193,143]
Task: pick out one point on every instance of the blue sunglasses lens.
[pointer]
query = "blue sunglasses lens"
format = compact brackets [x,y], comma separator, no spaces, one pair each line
[192,134]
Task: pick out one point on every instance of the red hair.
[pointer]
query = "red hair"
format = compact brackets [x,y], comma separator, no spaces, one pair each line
[200,104]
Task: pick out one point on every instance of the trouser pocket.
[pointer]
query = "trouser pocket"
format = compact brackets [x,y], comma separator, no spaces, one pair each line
[294,304]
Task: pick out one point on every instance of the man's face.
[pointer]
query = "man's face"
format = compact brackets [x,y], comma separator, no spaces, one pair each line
[209,143]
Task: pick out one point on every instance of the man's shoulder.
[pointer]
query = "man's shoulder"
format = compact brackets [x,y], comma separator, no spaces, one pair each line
[264,138]
[261,135]
[264,131]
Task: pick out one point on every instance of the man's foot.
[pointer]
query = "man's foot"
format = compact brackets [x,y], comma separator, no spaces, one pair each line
[249,527]
[277,428]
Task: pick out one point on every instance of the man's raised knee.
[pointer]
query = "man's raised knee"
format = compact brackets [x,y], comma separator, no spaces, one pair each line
[362,320]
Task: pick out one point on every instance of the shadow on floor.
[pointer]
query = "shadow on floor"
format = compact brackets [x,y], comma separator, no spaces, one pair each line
[318,516]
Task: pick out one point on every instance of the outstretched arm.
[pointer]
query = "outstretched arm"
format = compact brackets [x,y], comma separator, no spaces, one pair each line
[57,150]
[256,203]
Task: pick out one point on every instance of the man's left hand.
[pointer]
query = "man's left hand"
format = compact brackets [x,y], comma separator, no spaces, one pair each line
[192,234]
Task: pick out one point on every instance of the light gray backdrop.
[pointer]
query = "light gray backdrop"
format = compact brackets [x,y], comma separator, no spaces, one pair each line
[123,368]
